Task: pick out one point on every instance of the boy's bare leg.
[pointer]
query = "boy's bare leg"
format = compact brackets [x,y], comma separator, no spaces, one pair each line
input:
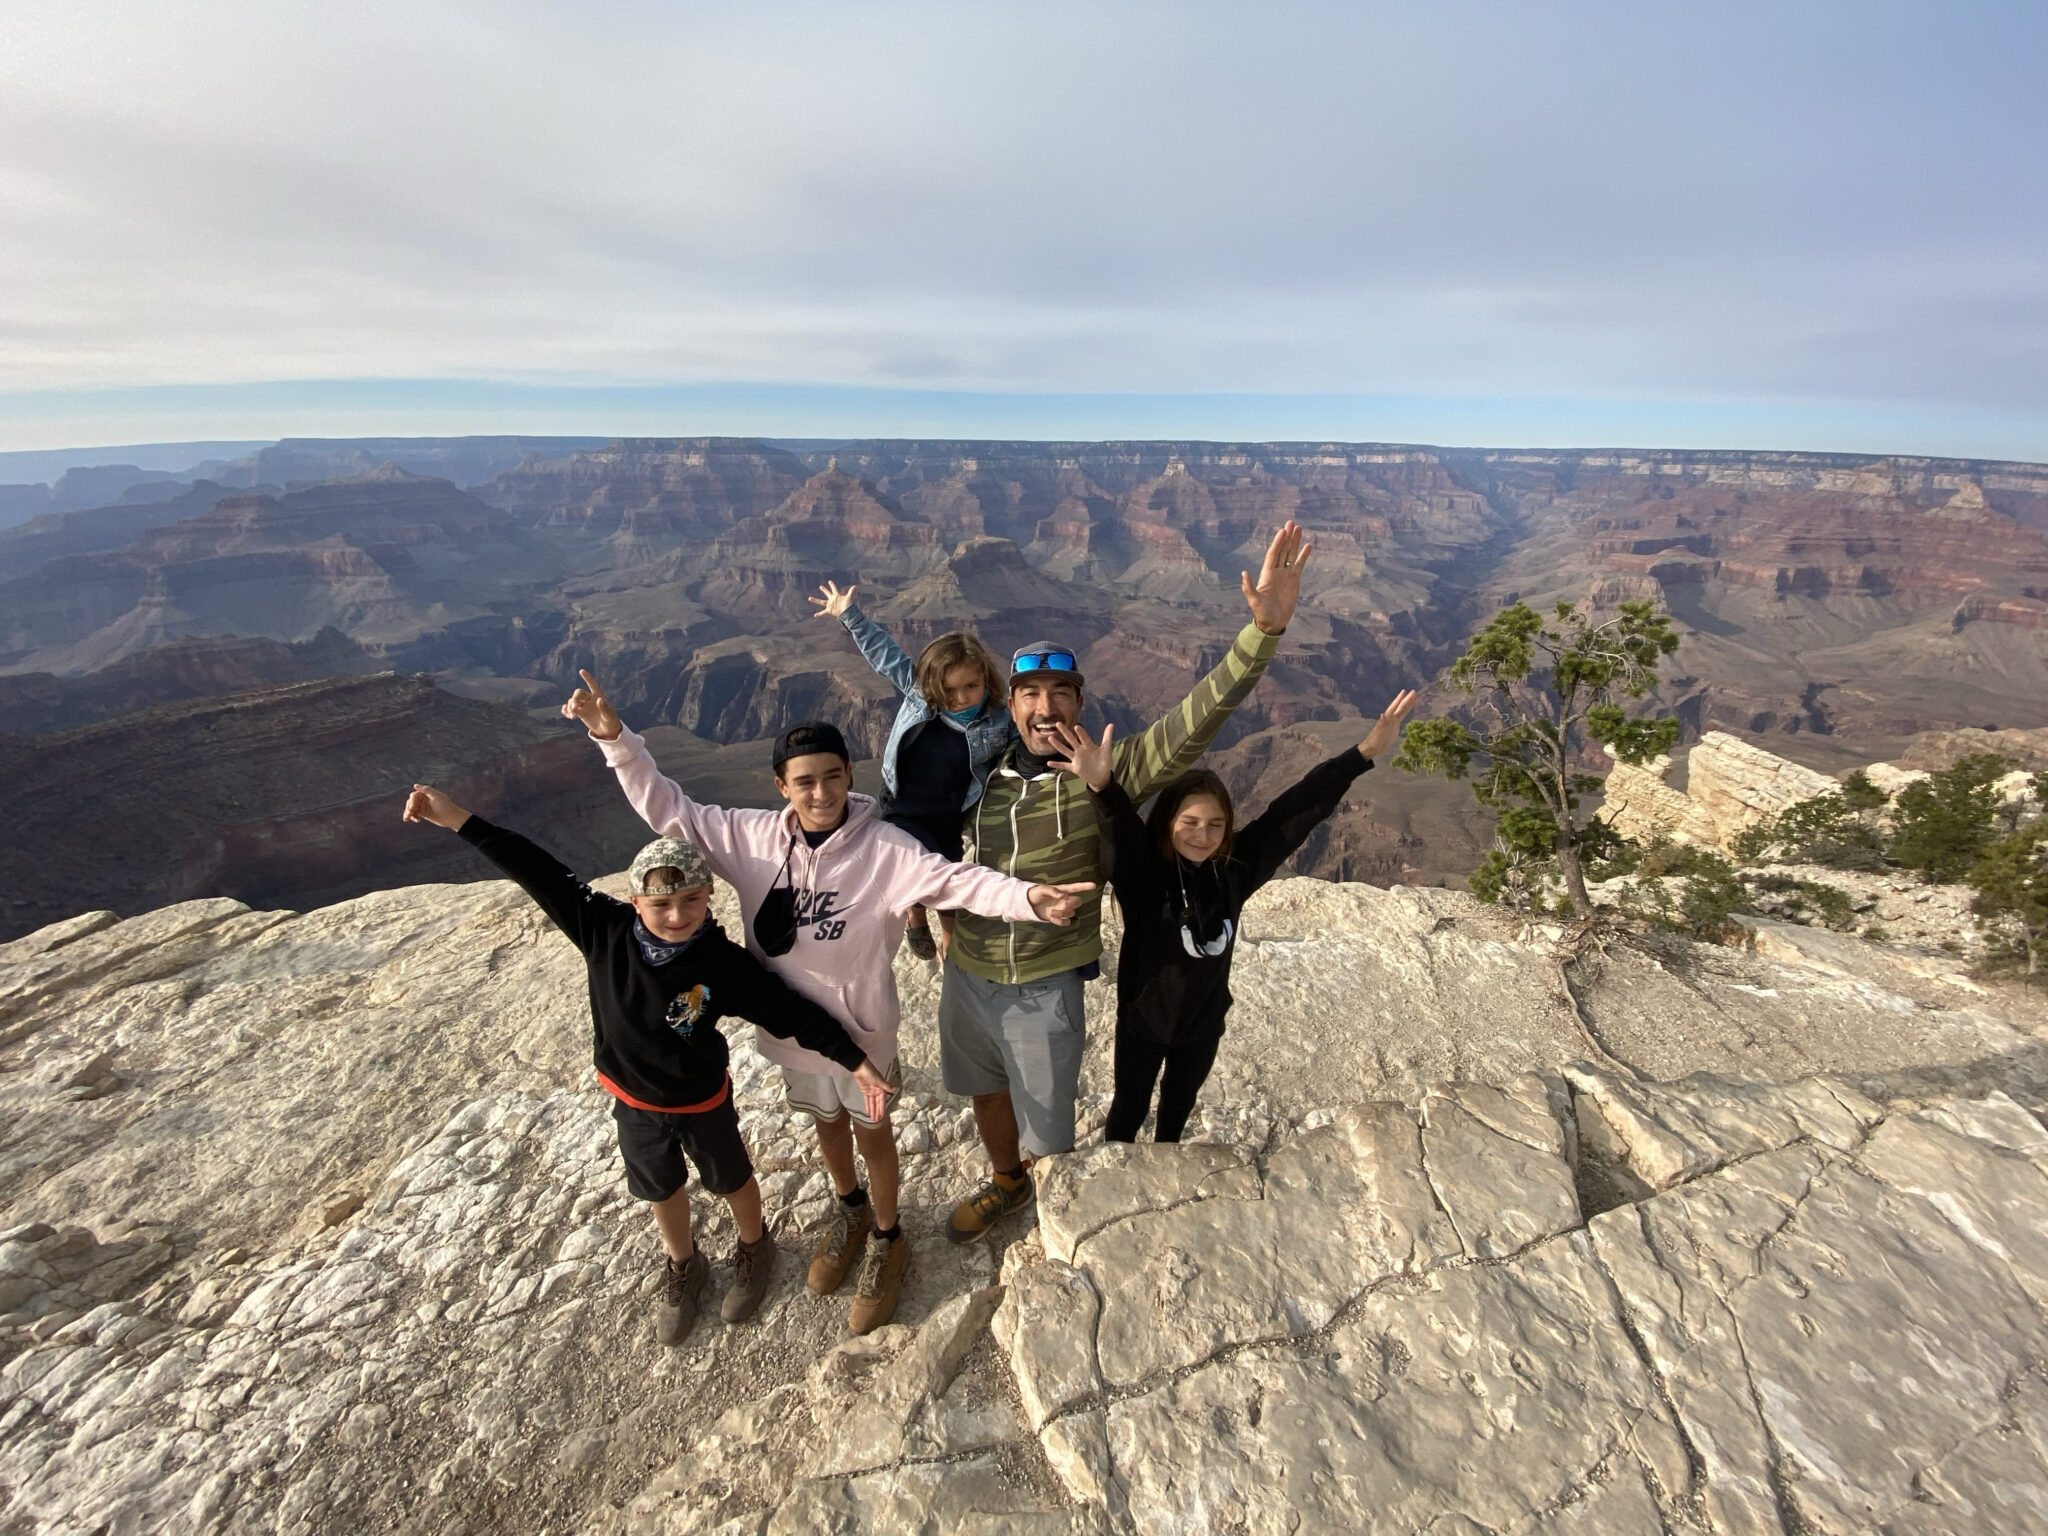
[746,1210]
[878,1151]
[996,1118]
[673,1217]
[835,1144]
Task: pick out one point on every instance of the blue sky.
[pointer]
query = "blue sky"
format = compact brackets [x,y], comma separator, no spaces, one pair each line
[1804,226]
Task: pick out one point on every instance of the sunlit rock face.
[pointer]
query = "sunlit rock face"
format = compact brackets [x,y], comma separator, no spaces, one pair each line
[315,1222]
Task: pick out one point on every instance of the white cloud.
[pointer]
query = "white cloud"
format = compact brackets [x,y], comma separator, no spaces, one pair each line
[1477,199]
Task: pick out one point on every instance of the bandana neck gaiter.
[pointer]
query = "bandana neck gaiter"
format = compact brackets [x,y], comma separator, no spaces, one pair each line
[657,951]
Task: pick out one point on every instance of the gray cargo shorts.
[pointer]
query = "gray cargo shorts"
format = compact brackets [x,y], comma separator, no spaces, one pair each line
[1024,1039]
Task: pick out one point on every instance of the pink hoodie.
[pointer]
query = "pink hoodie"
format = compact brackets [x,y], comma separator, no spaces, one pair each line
[853,892]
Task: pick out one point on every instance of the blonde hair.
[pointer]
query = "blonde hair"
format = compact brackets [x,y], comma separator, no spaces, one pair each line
[948,652]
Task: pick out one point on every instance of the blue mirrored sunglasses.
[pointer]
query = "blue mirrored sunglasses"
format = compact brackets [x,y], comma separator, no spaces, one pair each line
[1042,661]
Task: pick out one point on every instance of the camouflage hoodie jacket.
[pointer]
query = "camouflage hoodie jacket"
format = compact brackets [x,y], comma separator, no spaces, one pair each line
[1043,830]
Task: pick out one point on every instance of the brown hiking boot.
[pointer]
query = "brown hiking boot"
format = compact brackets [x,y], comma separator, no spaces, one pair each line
[752,1264]
[681,1285]
[839,1245]
[988,1205]
[881,1282]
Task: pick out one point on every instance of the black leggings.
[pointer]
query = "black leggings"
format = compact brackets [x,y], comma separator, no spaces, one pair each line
[1138,1061]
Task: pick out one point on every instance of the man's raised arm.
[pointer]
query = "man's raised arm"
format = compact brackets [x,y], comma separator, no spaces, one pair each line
[1172,744]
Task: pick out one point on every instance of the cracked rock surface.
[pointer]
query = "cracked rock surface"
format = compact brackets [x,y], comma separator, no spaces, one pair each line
[314,1222]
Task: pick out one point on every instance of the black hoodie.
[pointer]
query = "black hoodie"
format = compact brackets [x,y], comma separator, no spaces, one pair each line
[656,1026]
[1165,994]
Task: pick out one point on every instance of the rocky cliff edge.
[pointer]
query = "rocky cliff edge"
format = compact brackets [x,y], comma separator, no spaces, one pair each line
[314,1222]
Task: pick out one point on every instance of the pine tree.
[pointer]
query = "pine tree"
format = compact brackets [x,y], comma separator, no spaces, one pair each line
[1548,688]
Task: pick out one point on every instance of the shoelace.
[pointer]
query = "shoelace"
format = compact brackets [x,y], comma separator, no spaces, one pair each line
[842,1232]
[743,1265]
[872,1264]
[990,1201]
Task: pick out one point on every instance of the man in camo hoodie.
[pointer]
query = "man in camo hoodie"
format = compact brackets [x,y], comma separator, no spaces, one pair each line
[1012,1025]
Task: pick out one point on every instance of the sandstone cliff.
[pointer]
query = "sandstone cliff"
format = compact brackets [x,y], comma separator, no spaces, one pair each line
[313,1222]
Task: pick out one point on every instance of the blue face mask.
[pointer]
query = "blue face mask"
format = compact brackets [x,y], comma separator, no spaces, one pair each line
[968,715]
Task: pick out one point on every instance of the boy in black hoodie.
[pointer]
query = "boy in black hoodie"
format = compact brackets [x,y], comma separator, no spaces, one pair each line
[661,977]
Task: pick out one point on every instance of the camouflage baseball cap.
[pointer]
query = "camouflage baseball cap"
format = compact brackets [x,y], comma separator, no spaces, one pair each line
[668,853]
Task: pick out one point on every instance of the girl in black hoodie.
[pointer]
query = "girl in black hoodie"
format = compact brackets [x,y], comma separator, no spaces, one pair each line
[1182,877]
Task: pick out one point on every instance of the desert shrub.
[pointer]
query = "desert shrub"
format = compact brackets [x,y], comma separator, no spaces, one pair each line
[1524,839]
[2011,879]
[1826,830]
[1860,794]
[1686,890]
[1808,899]
[1940,824]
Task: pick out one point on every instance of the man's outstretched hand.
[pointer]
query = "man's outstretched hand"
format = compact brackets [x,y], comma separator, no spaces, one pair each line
[1089,760]
[1272,600]
[834,603]
[874,1089]
[589,706]
[1057,904]
[427,803]
[1387,729]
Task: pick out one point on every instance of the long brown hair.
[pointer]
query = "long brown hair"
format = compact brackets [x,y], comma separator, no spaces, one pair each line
[948,652]
[1196,781]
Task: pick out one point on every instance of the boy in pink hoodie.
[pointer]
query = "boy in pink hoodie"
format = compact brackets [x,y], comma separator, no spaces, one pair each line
[825,887]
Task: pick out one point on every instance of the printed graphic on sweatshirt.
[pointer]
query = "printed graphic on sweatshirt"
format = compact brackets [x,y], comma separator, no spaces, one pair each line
[818,910]
[687,1009]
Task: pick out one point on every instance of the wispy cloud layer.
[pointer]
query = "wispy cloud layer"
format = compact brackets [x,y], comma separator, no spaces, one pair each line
[1835,206]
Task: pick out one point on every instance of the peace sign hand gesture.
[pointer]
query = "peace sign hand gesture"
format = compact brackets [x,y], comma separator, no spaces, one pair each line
[1086,759]
[589,705]
[834,602]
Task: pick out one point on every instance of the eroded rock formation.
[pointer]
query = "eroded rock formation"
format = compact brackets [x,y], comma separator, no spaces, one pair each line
[314,1222]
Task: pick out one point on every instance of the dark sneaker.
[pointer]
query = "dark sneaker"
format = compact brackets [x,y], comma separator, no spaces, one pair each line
[751,1267]
[919,938]
[839,1245]
[681,1286]
[988,1205]
[880,1283]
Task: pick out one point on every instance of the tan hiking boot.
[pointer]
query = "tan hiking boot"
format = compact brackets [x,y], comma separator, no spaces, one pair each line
[681,1286]
[839,1245]
[880,1284]
[752,1265]
[988,1205]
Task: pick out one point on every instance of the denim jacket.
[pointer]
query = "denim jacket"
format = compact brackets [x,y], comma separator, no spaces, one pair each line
[988,735]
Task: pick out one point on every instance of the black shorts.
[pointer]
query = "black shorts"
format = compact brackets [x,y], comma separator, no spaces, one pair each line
[941,834]
[653,1142]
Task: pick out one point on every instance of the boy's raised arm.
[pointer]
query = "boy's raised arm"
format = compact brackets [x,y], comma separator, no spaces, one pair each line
[569,904]
[658,799]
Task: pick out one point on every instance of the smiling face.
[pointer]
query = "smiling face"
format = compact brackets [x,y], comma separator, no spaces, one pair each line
[817,786]
[1038,702]
[1198,828]
[965,687]
[676,916]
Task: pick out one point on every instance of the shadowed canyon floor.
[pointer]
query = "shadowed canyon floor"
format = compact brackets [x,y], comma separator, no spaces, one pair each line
[314,1222]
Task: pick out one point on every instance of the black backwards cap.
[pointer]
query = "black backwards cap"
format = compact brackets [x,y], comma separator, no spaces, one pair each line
[806,737]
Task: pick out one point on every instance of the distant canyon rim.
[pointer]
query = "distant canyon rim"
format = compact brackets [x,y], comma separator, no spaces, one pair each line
[217,684]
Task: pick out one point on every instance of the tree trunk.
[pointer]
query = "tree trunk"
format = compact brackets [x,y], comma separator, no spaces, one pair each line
[1568,865]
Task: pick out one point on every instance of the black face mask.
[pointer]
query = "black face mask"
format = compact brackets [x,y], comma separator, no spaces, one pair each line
[775,922]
